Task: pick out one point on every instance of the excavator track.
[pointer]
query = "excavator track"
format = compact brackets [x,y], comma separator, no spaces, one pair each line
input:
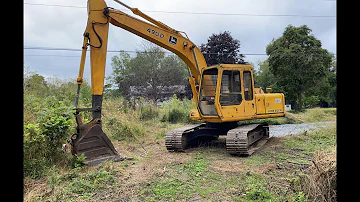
[246,139]
[241,140]
[176,140]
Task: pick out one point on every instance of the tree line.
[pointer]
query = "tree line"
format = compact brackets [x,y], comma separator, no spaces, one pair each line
[297,66]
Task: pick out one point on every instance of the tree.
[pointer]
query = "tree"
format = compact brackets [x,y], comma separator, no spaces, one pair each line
[149,71]
[222,48]
[325,90]
[120,76]
[264,77]
[298,62]
[35,84]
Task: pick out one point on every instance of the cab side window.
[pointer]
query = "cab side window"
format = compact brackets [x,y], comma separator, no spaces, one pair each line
[230,92]
[248,88]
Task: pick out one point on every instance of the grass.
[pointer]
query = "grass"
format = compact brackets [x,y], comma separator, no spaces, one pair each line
[305,116]
[184,181]
[83,186]
[283,163]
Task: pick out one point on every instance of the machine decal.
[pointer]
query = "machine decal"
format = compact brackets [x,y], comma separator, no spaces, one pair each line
[173,40]
[278,100]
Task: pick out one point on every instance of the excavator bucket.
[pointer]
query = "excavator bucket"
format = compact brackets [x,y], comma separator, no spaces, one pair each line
[91,141]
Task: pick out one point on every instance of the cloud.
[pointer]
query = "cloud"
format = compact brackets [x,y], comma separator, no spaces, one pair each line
[62,27]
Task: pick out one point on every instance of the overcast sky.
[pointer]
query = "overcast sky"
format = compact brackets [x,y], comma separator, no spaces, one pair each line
[63,27]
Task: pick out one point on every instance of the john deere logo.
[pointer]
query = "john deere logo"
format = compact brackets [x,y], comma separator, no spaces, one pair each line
[172,40]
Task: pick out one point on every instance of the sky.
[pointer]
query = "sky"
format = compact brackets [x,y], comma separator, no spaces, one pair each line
[60,24]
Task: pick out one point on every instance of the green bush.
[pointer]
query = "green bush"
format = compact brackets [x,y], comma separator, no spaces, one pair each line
[122,130]
[177,111]
[35,161]
[311,101]
[148,112]
[43,139]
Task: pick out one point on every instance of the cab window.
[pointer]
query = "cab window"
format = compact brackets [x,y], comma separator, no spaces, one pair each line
[230,91]
[248,88]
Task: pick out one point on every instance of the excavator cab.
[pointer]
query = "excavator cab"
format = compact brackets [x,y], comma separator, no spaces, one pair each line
[226,92]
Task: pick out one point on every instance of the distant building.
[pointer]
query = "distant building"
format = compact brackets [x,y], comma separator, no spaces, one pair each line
[165,92]
[287,107]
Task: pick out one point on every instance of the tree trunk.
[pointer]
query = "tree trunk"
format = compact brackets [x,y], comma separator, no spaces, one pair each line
[300,102]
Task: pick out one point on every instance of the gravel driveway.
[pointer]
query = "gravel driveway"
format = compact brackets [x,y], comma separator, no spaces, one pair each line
[287,129]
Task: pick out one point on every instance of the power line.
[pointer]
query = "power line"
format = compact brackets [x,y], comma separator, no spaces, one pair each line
[199,13]
[111,51]
[114,51]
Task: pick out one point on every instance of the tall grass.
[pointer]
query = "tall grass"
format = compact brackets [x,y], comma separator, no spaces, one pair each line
[177,111]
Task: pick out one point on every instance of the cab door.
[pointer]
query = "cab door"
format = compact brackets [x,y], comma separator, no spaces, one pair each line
[249,101]
[231,98]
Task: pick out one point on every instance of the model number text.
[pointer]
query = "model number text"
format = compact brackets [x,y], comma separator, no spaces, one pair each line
[151,31]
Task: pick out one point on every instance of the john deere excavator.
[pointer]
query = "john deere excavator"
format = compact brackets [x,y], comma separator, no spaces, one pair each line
[224,93]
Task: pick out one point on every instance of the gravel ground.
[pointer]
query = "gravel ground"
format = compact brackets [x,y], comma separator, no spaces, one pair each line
[288,129]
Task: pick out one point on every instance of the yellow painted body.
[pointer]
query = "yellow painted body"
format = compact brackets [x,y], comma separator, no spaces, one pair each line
[256,104]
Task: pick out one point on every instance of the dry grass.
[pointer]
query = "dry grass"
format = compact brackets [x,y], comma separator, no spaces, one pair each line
[320,183]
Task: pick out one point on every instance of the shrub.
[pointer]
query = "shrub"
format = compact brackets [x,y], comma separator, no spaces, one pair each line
[148,112]
[311,101]
[122,130]
[43,139]
[177,111]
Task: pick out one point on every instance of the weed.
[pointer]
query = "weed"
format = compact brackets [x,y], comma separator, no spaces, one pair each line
[148,111]
[256,160]
[258,194]
[83,186]
[177,111]
[78,161]
[300,197]
[124,130]
[172,190]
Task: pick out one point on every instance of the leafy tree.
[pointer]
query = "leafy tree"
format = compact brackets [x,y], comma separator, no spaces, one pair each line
[298,62]
[264,77]
[222,48]
[35,84]
[149,71]
[121,76]
[326,88]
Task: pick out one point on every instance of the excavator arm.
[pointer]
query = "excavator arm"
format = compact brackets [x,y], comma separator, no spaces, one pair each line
[96,36]
[89,139]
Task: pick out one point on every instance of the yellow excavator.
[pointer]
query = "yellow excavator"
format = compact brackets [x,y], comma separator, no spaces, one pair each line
[224,93]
